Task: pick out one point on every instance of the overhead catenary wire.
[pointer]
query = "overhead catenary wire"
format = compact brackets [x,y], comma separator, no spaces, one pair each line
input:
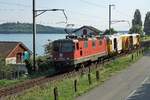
[4,10]
[94,4]
[104,6]
[83,14]
[124,18]
[85,19]
[20,6]
[27,6]
[118,21]
[122,14]
[15,4]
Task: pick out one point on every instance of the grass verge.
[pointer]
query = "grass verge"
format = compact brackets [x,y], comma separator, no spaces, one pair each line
[66,87]
[4,83]
[145,38]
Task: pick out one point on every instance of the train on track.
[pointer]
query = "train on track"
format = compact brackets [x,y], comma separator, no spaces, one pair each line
[86,46]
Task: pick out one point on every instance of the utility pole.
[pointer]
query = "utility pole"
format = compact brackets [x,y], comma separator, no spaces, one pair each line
[34,33]
[37,13]
[111,5]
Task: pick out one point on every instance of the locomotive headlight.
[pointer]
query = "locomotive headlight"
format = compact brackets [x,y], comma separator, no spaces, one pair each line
[60,55]
[54,58]
[68,58]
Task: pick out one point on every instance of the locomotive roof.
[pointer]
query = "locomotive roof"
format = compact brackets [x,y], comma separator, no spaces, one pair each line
[67,40]
[75,39]
[63,40]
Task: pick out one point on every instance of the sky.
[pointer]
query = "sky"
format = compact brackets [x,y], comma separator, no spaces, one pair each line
[79,12]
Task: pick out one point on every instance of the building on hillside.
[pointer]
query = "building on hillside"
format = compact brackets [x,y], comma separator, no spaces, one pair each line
[87,30]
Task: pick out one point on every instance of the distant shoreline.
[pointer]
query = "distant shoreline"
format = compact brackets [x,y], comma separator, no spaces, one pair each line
[26,28]
[30,33]
[45,32]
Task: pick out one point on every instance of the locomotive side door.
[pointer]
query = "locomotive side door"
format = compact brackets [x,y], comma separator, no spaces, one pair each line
[115,44]
[78,50]
[131,42]
[81,52]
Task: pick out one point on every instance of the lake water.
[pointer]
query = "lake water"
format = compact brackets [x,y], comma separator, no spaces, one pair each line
[41,40]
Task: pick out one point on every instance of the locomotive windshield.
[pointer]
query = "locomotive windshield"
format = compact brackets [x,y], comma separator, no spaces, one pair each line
[67,47]
[61,46]
[56,46]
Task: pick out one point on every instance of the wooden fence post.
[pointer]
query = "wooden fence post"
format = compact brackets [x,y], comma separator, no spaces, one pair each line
[55,93]
[96,64]
[97,75]
[89,78]
[143,51]
[0,75]
[75,86]
[100,60]
[89,69]
[132,57]
[103,61]
[3,75]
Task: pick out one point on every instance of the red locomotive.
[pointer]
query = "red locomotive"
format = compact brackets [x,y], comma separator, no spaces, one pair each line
[88,46]
[76,51]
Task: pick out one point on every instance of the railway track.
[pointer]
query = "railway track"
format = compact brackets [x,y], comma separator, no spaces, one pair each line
[18,88]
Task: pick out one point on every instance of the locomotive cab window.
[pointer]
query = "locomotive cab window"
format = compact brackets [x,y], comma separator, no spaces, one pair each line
[93,43]
[85,44]
[77,46]
[100,42]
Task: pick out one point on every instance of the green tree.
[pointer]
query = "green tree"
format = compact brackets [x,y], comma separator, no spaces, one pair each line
[113,31]
[6,69]
[2,62]
[48,48]
[29,66]
[136,23]
[147,23]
